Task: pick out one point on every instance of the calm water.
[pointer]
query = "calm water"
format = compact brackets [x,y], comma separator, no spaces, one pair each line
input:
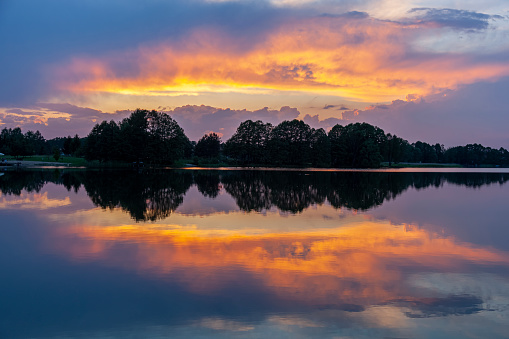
[105,254]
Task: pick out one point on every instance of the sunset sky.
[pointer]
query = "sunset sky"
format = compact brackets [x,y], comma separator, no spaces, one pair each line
[429,70]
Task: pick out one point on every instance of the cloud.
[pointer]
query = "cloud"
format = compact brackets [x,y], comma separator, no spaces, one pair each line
[203,47]
[199,120]
[357,57]
[450,117]
[18,111]
[34,35]
[453,118]
[243,54]
[72,110]
[337,107]
[60,119]
[453,18]
[57,119]
[315,122]
[443,307]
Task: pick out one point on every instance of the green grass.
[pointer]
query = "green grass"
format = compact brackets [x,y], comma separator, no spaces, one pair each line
[72,161]
[201,162]
[419,165]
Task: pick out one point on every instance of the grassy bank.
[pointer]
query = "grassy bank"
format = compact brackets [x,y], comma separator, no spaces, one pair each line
[63,160]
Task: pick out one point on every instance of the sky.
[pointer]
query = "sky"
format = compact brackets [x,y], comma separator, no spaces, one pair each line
[429,70]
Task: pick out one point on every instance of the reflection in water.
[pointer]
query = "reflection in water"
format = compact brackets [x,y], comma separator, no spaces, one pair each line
[353,266]
[145,197]
[29,201]
[327,270]
[152,195]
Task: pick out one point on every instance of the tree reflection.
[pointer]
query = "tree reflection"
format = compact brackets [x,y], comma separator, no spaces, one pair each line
[208,183]
[14,182]
[288,191]
[151,195]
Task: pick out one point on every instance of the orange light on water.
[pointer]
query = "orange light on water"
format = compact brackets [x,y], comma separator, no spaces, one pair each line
[349,264]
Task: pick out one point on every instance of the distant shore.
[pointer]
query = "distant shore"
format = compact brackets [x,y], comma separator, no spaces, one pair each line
[30,163]
[399,166]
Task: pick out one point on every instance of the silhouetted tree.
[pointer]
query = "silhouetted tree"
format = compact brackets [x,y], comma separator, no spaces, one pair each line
[104,142]
[208,146]
[290,144]
[144,136]
[427,152]
[248,144]
[356,145]
[67,145]
[320,148]
[394,148]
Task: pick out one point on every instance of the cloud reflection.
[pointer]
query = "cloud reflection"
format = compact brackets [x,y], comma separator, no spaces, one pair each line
[349,269]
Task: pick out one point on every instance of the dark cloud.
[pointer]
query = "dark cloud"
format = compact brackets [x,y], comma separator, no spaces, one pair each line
[299,72]
[454,18]
[349,15]
[443,307]
[74,111]
[337,107]
[12,121]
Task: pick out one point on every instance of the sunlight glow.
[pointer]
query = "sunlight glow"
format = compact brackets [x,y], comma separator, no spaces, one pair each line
[361,59]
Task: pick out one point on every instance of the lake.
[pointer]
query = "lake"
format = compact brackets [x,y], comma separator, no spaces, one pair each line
[249,254]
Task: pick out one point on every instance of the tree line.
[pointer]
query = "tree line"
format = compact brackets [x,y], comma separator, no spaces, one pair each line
[153,137]
[357,145]
[18,144]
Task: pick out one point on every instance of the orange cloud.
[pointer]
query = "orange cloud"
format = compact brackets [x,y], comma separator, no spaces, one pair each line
[363,59]
[363,264]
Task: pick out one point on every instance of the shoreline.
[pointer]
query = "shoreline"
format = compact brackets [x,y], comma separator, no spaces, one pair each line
[417,168]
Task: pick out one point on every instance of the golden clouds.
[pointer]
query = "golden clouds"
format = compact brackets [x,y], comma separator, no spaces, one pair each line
[360,58]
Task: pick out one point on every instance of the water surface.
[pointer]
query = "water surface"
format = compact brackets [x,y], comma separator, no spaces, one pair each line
[254,253]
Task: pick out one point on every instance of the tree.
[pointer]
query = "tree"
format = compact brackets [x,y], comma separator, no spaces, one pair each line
[290,143]
[167,141]
[134,136]
[56,154]
[67,145]
[249,143]
[394,148]
[34,143]
[320,148]
[144,136]
[16,143]
[439,151]
[356,145]
[75,144]
[427,152]
[208,146]
[103,142]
